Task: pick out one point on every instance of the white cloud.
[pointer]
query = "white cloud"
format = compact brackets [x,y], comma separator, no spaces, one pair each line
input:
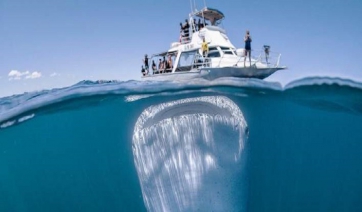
[33,75]
[17,75]
[54,74]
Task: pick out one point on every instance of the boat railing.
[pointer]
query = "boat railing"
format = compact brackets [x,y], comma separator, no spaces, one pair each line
[222,57]
[185,40]
[162,71]
[269,59]
[201,61]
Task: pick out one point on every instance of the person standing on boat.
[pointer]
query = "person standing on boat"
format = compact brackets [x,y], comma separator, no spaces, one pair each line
[164,64]
[199,25]
[247,51]
[266,52]
[169,63]
[143,71]
[204,48]
[154,67]
[194,26]
[160,66]
[181,33]
[186,29]
[145,62]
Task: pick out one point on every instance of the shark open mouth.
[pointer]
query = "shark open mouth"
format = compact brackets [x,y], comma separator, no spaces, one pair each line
[183,162]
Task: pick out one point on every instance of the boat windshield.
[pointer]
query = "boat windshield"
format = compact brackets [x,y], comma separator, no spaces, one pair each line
[186,61]
[213,52]
[227,50]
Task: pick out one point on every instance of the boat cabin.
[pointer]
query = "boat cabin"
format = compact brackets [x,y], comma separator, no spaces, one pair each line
[185,55]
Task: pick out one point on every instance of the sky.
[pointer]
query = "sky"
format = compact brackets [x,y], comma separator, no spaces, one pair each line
[48,44]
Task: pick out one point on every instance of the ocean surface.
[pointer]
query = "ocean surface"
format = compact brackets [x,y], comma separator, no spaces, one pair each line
[223,145]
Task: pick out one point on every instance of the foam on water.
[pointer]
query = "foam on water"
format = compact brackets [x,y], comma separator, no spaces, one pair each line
[19,104]
[313,81]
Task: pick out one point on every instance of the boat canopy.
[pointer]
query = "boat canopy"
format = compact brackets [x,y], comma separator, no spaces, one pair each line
[213,15]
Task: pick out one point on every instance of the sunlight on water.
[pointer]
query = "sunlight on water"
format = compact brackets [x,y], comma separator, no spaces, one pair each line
[13,122]
[25,118]
[183,162]
[7,124]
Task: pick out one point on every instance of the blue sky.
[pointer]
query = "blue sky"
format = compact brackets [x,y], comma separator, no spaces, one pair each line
[56,43]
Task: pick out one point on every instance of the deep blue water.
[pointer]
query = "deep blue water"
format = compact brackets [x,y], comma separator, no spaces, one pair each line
[226,145]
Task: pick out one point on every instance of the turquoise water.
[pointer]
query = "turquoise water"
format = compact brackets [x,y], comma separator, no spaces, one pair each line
[226,145]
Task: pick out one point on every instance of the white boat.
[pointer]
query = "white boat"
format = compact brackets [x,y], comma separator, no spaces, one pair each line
[223,59]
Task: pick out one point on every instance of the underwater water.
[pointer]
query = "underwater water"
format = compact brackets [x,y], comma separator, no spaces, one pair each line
[223,145]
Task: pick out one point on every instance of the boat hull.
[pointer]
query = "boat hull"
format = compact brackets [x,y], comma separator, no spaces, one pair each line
[213,73]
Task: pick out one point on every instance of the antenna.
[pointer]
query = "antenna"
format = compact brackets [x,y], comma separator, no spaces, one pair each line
[204,3]
[191,6]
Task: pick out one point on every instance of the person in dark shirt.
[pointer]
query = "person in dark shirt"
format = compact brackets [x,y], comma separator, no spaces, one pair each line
[145,63]
[143,71]
[154,67]
[194,26]
[182,33]
[186,28]
[164,62]
[247,51]
[160,66]
[266,52]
